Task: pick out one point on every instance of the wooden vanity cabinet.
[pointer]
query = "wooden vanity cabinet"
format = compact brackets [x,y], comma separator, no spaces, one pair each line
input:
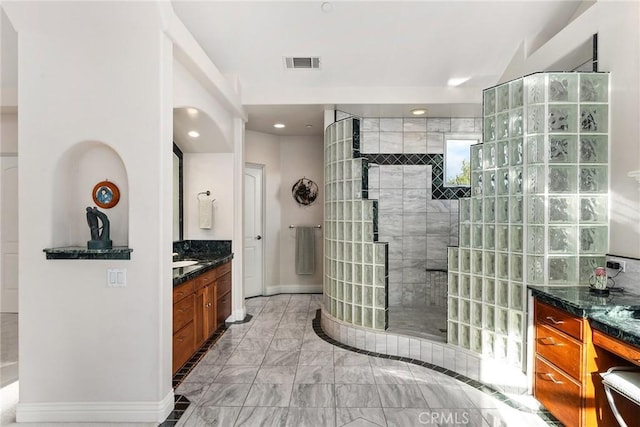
[183,323]
[223,296]
[205,316]
[199,307]
[566,379]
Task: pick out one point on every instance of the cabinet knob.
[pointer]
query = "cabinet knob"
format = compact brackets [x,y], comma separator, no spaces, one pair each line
[551,377]
[554,321]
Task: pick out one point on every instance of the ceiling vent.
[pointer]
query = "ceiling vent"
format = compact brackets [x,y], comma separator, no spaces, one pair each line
[295,62]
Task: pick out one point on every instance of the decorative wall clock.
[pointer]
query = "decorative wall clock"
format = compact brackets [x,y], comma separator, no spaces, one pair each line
[106,194]
[304,191]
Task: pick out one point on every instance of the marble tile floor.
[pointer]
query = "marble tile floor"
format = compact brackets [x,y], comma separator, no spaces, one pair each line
[276,371]
[8,348]
[424,322]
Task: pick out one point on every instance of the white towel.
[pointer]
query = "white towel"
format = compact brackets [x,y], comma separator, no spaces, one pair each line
[205,214]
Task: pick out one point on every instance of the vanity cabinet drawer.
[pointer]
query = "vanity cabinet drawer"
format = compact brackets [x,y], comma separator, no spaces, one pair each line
[183,290]
[622,349]
[223,285]
[559,319]
[559,393]
[183,312]
[223,308]
[223,269]
[559,349]
[183,346]
[206,279]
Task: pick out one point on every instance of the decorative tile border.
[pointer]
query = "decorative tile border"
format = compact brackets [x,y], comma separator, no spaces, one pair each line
[493,373]
[181,402]
[436,161]
[487,389]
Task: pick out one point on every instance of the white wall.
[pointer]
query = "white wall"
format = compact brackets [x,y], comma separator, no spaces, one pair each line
[213,172]
[300,157]
[619,52]
[286,160]
[94,72]
[618,27]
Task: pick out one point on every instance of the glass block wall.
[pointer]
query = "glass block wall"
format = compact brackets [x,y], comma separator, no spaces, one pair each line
[356,269]
[538,207]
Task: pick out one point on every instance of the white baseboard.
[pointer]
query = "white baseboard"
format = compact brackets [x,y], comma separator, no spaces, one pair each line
[117,412]
[293,289]
[237,315]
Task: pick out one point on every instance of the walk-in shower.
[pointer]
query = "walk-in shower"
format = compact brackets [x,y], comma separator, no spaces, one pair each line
[417,214]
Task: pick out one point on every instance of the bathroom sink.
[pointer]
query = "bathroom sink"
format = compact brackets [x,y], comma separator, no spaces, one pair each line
[179,264]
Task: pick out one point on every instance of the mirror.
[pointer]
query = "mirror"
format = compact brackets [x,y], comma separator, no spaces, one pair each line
[178,233]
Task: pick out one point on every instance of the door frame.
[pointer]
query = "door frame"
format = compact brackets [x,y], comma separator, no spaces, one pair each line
[263,224]
[4,308]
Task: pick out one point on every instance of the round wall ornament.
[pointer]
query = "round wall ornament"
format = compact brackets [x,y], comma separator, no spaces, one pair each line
[304,191]
[106,194]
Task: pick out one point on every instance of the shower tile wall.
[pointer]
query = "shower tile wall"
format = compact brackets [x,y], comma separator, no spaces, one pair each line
[417,227]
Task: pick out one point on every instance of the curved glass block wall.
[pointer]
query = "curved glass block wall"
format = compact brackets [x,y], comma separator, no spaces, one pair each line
[355,267]
[538,207]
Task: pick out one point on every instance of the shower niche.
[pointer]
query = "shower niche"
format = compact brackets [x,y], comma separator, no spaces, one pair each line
[538,209]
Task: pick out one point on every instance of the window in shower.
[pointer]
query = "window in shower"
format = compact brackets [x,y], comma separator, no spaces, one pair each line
[457,165]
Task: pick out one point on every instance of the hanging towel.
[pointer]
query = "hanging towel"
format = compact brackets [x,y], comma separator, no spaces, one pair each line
[305,250]
[205,214]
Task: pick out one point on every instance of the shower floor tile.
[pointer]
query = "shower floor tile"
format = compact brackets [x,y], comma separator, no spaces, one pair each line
[424,322]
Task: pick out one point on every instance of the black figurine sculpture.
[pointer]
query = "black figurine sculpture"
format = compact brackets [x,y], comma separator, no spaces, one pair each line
[99,235]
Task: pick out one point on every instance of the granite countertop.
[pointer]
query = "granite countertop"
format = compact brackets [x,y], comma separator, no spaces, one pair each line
[617,314]
[182,274]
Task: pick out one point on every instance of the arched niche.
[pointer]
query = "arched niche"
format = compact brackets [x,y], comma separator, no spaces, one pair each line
[79,169]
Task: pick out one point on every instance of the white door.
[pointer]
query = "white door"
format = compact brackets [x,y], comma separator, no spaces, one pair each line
[253,238]
[9,234]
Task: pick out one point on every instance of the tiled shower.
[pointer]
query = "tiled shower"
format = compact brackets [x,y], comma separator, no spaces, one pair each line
[418,215]
[401,161]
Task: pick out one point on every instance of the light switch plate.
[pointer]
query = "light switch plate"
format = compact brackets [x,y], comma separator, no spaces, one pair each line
[116,277]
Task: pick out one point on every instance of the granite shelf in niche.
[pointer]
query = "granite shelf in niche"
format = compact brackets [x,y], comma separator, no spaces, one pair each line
[80,252]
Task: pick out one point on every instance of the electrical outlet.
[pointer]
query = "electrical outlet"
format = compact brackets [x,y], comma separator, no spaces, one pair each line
[616,265]
[613,265]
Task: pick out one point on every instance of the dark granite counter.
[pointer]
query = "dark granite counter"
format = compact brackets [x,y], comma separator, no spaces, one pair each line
[182,274]
[616,314]
[81,252]
[208,253]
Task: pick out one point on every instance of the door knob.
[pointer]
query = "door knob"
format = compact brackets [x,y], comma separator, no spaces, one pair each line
[258,237]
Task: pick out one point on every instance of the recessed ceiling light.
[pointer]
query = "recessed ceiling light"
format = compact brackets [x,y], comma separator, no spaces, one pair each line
[457,81]
[192,111]
[279,125]
[193,134]
[418,111]
[309,126]
[326,7]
